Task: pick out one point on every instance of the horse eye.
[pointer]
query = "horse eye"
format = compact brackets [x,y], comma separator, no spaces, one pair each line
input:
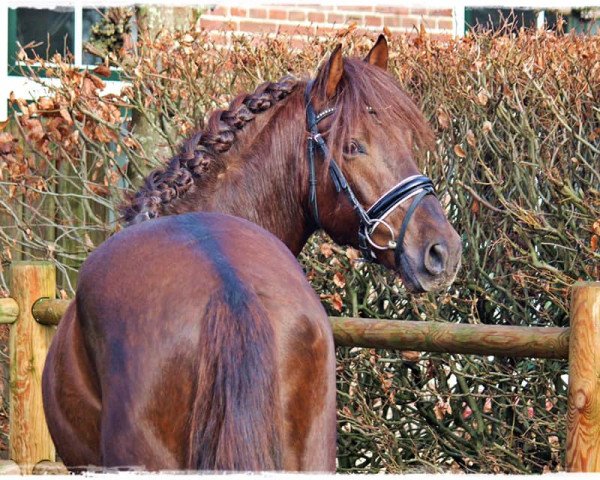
[354,148]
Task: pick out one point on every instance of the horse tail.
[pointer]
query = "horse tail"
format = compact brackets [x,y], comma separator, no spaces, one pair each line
[236,414]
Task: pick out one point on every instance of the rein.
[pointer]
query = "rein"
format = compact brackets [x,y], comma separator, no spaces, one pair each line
[416,187]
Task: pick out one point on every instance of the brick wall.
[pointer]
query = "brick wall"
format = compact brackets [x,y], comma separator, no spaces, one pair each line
[302,20]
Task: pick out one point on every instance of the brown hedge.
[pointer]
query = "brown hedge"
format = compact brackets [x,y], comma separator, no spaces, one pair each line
[517,168]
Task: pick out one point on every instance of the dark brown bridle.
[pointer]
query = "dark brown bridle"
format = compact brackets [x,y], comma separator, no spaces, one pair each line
[416,187]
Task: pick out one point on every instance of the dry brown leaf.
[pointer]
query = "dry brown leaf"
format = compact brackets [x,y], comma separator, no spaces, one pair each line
[187,38]
[442,408]
[101,133]
[339,280]
[487,126]
[343,32]
[45,103]
[88,88]
[594,243]
[131,142]
[443,118]
[53,128]
[66,115]
[98,83]
[98,189]
[459,151]
[127,92]
[336,302]
[386,384]
[482,97]
[471,140]
[477,66]
[410,356]
[102,70]
[352,254]
[34,128]
[88,241]
[326,249]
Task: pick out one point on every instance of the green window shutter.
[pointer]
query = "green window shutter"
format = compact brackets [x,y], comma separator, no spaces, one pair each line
[12,38]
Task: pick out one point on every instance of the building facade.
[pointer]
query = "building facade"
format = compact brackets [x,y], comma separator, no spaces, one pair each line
[63,29]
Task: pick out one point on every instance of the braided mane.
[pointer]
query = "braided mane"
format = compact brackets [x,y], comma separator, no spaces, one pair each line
[198,157]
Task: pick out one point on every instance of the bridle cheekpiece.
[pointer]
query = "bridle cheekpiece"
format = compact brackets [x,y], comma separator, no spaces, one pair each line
[416,187]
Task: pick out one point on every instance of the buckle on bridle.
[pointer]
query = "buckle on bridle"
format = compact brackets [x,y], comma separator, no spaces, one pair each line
[369,229]
[317,137]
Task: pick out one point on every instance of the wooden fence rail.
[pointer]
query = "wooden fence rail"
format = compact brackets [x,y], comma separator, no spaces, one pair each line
[34,313]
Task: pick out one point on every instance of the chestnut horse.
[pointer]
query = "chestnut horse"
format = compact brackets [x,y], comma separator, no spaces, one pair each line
[193,342]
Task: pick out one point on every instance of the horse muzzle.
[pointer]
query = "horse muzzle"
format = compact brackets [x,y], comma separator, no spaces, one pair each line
[433,267]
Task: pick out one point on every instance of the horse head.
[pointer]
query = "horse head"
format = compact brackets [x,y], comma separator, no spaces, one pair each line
[365,189]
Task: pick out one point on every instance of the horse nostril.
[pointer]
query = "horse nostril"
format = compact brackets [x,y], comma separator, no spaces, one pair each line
[436,259]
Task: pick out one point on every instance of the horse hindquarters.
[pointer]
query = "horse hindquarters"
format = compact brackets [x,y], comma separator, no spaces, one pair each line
[71,399]
[217,356]
[309,391]
[204,400]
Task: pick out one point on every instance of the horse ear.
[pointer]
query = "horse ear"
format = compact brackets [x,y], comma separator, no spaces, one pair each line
[335,70]
[378,55]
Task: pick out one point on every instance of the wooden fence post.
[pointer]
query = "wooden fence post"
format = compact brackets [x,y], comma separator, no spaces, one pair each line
[583,415]
[30,440]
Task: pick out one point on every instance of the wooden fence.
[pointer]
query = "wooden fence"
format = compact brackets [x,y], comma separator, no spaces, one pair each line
[33,314]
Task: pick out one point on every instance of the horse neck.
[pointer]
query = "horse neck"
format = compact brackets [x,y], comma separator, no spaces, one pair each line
[265,178]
